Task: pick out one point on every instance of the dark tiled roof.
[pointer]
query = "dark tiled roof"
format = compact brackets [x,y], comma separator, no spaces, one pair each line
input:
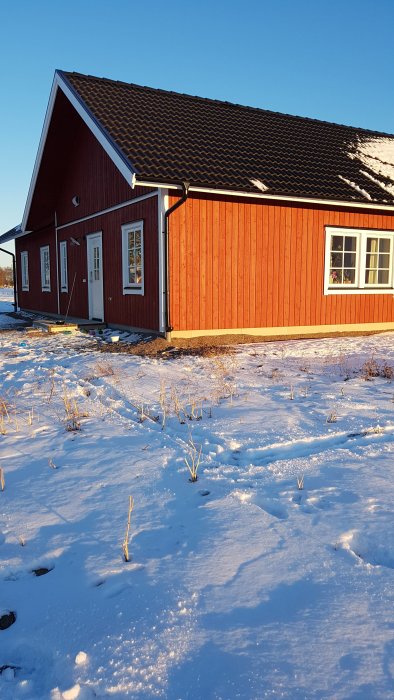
[11,234]
[169,137]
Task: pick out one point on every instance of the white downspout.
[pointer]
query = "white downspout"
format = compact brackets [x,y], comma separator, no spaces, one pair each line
[57,268]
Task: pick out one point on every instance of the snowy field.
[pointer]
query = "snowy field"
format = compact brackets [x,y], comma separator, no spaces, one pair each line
[6,307]
[244,584]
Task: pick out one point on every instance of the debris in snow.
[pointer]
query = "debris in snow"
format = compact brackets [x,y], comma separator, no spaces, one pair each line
[355,187]
[260,185]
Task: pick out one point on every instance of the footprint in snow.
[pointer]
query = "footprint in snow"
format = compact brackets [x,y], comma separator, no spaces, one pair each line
[272,506]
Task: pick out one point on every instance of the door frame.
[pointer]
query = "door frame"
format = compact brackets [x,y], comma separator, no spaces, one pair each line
[89,237]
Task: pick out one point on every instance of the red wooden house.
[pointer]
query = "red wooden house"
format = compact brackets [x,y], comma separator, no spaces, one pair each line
[161,211]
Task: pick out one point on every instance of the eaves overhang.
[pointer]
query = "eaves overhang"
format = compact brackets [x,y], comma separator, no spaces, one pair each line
[13,233]
[308,201]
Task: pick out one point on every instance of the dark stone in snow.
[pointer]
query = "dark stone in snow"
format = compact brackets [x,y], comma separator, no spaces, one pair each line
[204,492]
[7,620]
[41,571]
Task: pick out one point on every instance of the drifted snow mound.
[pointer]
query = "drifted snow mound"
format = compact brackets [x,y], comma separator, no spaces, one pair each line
[374,545]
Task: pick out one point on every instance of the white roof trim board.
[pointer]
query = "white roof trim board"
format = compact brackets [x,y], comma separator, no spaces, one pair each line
[124,168]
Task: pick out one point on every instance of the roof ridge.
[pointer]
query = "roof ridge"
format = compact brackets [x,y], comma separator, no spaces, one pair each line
[227,103]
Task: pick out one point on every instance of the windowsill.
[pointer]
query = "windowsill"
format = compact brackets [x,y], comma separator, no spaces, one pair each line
[45,290]
[353,290]
[127,290]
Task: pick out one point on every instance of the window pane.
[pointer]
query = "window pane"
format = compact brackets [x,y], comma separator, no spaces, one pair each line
[384,260]
[372,260]
[337,243]
[383,277]
[372,245]
[336,259]
[350,259]
[384,245]
[350,243]
[371,277]
[349,276]
[335,276]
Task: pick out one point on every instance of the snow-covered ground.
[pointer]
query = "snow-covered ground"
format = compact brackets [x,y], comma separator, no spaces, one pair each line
[7,307]
[240,585]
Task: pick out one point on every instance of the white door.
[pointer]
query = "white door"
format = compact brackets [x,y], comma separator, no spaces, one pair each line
[95,276]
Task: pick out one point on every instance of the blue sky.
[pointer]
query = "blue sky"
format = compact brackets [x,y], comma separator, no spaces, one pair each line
[328,59]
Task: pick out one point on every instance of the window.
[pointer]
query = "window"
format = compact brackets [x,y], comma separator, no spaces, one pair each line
[133,258]
[358,261]
[25,270]
[63,267]
[45,269]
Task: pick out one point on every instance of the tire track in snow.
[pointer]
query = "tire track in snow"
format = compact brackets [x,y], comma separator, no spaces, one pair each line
[305,447]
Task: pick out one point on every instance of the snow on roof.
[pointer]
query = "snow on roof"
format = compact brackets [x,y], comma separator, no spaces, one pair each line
[376,154]
[355,187]
[260,185]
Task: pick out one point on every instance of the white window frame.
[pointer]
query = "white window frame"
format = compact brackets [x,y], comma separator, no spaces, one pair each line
[360,286]
[45,280]
[25,270]
[63,266]
[132,287]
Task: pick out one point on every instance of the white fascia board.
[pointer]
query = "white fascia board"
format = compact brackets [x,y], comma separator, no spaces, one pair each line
[59,83]
[272,197]
[40,151]
[124,168]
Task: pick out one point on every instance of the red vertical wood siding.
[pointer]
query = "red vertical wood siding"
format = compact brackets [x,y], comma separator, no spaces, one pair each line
[35,299]
[74,163]
[245,264]
[140,311]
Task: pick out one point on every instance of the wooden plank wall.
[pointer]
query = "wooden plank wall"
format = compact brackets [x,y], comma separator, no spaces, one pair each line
[74,163]
[35,299]
[128,310]
[140,311]
[245,264]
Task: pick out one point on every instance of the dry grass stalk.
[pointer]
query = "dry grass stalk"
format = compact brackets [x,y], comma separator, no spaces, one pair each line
[195,409]
[73,414]
[125,544]
[291,397]
[193,459]
[163,403]
[4,408]
[2,479]
[52,390]
[332,417]
[104,369]
[300,482]
[178,410]
[52,463]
